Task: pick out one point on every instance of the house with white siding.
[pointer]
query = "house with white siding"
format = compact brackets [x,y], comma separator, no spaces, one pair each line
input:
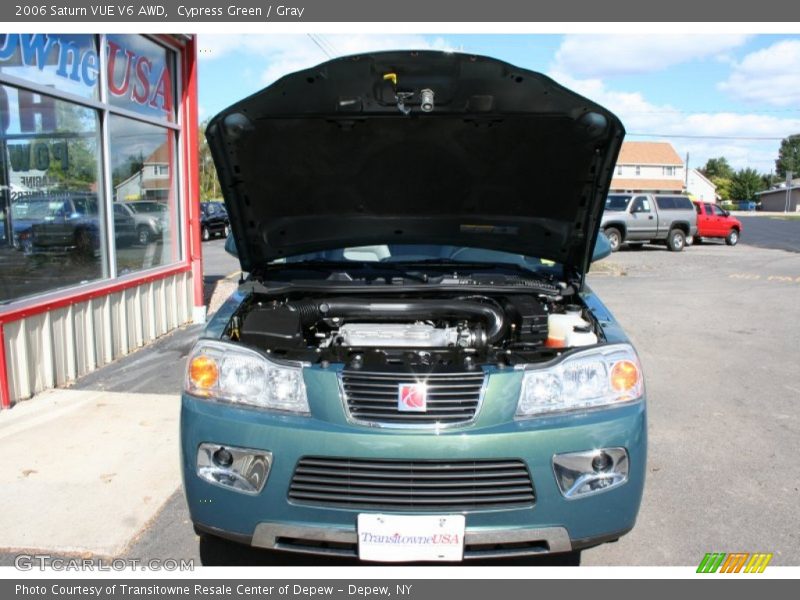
[652,167]
[699,187]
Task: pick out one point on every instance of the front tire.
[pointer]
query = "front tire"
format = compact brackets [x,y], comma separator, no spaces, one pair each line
[676,240]
[143,234]
[205,234]
[732,238]
[614,238]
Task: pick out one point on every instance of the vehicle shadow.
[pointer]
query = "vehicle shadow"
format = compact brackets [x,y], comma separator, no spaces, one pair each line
[217,552]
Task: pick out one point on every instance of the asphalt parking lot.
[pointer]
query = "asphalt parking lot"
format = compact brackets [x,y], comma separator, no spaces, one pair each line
[717,329]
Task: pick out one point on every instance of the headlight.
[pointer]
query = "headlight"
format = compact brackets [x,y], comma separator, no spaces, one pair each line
[588,379]
[221,371]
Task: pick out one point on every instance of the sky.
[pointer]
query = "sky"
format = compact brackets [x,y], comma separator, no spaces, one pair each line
[710,95]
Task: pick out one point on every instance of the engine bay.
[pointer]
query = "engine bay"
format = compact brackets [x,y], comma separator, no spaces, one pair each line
[412,331]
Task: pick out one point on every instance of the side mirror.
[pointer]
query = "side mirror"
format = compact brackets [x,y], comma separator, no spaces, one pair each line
[602,247]
[230,246]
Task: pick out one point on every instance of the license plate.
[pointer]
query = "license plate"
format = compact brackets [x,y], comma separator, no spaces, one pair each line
[406,538]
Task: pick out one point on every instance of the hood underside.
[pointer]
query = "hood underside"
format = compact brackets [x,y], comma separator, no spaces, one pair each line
[346,154]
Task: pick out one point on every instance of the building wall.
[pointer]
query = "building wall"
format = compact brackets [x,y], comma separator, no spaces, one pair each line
[86,310]
[650,172]
[701,188]
[775,201]
[54,348]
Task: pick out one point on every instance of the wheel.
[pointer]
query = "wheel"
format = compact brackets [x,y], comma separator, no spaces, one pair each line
[614,238]
[732,238]
[144,235]
[676,240]
[205,234]
[227,231]
[218,552]
[689,240]
[83,244]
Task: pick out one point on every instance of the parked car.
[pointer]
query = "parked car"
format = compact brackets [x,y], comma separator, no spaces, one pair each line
[415,367]
[59,224]
[636,219]
[213,220]
[151,218]
[716,222]
[27,210]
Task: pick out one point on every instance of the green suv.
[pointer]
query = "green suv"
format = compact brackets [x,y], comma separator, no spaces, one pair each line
[414,368]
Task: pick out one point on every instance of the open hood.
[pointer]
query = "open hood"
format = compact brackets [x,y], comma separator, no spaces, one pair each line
[418,148]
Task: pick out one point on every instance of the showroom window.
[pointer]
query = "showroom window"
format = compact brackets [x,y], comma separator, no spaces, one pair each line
[88,157]
[141,157]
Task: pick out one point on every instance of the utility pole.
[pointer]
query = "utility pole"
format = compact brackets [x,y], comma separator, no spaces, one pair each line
[686,181]
[789,176]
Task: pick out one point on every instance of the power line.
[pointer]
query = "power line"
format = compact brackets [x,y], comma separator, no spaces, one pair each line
[707,137]
[328,44]
[319,45]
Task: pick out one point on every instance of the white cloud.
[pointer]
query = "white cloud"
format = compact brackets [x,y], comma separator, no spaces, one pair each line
[623,54]
[664,121]
[288,53]
[767,76]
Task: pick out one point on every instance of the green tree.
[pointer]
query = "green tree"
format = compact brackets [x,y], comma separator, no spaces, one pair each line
[209,184]
[717,167]
[770,179]
[745,183]
[788,156]
[74,154]
[723,187]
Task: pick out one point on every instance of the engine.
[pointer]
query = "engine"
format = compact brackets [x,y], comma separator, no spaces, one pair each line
[334,328]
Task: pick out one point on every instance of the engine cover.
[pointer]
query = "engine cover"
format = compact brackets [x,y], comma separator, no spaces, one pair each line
[408,335]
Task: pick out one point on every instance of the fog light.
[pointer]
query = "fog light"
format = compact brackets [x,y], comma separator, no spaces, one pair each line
[240,469]
[580,474]
[601,462]
[223,458]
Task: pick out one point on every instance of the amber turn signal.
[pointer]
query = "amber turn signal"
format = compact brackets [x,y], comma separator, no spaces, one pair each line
[624,376]
[203,372]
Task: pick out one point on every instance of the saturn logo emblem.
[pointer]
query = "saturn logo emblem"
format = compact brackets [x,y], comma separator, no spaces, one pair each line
[412,397]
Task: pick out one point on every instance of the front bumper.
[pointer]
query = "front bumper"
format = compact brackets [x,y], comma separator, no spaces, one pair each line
[271,520]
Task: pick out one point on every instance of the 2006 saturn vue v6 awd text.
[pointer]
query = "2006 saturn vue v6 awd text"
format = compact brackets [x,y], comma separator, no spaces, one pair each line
[414,368]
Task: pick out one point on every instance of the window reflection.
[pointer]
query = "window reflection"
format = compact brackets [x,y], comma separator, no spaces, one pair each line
[50,215]
[142,160]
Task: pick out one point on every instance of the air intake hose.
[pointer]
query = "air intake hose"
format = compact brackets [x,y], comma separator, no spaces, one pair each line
[402,310]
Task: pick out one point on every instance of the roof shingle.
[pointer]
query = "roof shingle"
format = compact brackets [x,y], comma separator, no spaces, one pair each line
[648,153]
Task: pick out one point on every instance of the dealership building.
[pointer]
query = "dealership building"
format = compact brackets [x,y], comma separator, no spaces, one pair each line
[99,238]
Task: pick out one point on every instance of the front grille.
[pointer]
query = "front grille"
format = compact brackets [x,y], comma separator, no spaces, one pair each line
[420,485]
[371,397]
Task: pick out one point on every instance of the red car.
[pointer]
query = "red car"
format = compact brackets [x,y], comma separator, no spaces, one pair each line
[715,222]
